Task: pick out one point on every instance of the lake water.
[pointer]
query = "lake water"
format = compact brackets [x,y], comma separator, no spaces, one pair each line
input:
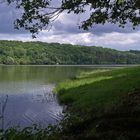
[28,91]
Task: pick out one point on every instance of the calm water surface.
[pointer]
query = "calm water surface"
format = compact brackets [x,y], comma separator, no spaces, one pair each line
[30,97]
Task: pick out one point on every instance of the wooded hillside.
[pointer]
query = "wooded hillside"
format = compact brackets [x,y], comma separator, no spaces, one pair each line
[15,52]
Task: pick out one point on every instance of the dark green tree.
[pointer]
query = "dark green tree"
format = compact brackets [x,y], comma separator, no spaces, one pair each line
[38,14]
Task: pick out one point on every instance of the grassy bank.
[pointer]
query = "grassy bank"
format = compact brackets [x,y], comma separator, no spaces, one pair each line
[99,89]
[100,105]
[106,104]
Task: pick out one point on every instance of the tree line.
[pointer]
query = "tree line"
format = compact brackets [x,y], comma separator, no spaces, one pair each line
[40,53]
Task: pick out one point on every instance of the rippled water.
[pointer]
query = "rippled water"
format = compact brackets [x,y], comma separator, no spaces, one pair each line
[30,96]
[35,106]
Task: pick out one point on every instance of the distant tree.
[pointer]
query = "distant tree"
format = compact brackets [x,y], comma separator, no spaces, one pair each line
[9,60]
[38,14]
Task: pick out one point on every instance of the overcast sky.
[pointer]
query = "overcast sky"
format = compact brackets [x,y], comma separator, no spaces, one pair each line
[65,30]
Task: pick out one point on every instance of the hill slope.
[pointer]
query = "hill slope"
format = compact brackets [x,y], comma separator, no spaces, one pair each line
[14,52]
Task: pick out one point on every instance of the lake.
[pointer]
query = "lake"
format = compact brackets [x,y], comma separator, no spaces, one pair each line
[26,95]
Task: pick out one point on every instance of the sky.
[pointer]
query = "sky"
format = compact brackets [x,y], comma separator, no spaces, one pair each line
[65,30]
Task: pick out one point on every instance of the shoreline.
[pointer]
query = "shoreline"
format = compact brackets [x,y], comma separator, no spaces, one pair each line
[102,65]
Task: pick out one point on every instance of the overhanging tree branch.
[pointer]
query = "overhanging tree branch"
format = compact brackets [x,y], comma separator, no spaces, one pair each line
[38,14]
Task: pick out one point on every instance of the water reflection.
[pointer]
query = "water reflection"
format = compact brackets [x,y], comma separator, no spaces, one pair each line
[39,106]
[30,97]
[42,73]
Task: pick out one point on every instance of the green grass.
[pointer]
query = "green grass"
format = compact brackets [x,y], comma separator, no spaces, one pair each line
[107,104]
[98,90]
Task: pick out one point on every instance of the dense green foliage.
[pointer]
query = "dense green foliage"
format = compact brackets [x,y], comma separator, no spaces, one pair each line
[14,52]
[103,105]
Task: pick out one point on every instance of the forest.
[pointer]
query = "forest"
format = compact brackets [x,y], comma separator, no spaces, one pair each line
[40,53]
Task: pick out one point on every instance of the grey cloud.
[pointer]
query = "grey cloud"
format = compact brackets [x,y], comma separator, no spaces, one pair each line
[72,27]
[8,14]
[108,28]
[63,28]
